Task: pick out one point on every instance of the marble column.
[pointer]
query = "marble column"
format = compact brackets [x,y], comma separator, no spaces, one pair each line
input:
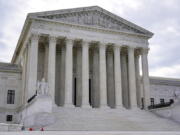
[110,77]
[138,80]
[125,83]
[145,78]
[27,70]
[24,74]
[117,77]
[102,75]
[132,78]
[46,61]
[78,71]
[52,65]
[62,76]
[33,62]
[95,93]
[85,74]
[68,73]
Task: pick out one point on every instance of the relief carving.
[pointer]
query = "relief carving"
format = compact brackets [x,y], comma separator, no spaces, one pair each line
[93,18]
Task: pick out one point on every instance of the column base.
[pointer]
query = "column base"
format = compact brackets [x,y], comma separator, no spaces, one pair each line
[69,106]
[146,109]
[104,107]
[86,106]
[135,108]
[54,105]
[120,107]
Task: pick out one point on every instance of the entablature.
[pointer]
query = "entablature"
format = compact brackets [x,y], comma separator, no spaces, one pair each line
[88,33]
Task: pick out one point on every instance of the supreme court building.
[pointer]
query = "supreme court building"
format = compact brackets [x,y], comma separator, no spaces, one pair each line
[89,57]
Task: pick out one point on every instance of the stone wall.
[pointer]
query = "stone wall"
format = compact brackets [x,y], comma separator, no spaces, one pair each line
[163,88]
[10,79]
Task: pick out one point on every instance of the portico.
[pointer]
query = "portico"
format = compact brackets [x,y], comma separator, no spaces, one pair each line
[83,73]
[89,57]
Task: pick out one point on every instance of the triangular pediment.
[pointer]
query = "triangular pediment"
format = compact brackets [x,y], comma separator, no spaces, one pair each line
[93,16]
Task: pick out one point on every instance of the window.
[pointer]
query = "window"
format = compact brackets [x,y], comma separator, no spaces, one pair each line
[9,118]
[152,101]
[171,101]
[10,96]
[162,101]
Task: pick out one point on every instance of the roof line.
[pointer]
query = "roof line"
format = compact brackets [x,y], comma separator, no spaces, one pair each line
[91,8]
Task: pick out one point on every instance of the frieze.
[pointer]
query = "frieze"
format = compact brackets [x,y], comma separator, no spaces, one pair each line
[73,30]
[48,26]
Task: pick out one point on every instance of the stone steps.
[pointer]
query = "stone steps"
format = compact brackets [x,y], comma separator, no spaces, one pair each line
[109,120]
[89,133]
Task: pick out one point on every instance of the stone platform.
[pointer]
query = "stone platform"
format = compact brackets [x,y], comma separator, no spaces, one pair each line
[78,119]
[89,133]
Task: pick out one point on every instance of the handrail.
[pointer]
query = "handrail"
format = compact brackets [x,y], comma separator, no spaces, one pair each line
[161,105]
[31,98]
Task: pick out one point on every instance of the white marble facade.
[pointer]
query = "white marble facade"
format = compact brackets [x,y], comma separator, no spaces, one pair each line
[85,63]
[89,58]
[164,88]
[10,79]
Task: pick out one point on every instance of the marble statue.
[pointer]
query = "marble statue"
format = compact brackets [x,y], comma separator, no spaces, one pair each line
[42,87]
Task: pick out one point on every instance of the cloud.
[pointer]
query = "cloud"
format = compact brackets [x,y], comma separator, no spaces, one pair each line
[161,17]
[169,71]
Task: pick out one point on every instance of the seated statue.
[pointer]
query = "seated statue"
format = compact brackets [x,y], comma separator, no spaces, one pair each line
[42,87]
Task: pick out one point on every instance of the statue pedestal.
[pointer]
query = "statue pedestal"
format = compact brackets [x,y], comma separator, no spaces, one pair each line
[38,113]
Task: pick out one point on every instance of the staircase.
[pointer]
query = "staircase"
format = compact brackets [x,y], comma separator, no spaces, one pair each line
[80,119]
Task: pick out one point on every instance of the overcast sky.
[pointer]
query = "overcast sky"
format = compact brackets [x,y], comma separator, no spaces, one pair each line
[162,17]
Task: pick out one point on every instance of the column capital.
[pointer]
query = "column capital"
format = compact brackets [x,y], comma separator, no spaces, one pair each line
[102,45]
[138,52]
[52,38]
[130,50]
[85,43]
[35,36]
[131,47]
[117,46]
[69,41]
[137,55]
[144,50]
